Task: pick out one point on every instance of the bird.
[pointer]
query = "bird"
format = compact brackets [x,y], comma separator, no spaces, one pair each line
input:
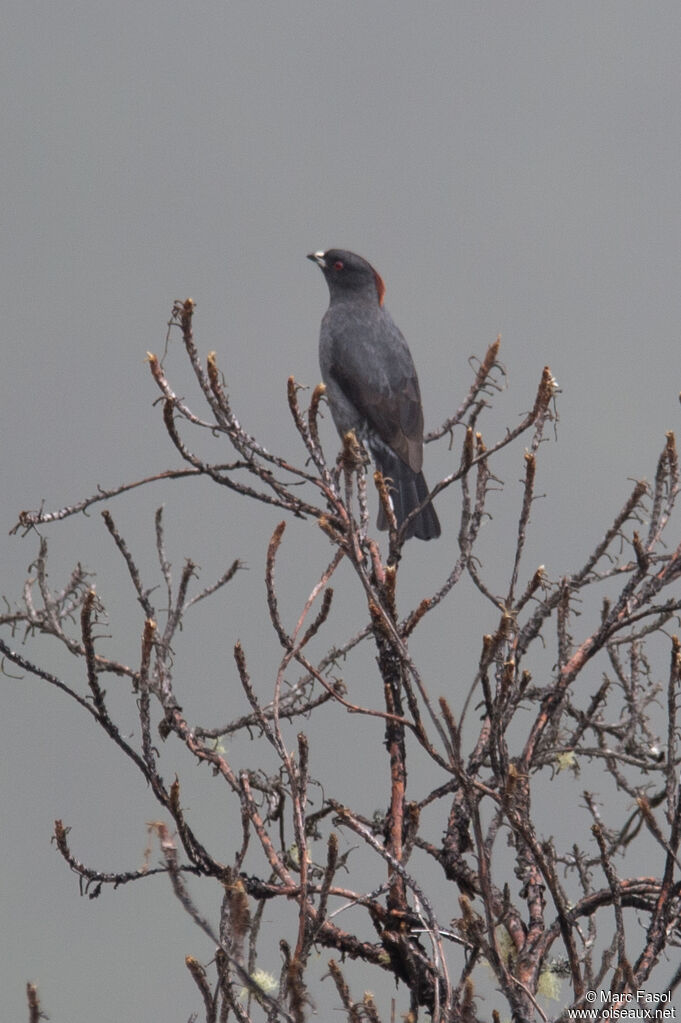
[371,384]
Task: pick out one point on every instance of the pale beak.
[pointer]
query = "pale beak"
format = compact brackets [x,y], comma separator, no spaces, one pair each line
[318,258]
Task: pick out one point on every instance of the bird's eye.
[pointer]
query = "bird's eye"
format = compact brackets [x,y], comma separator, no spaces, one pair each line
[338,265]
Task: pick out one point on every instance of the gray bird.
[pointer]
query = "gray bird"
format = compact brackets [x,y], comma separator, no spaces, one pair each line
[371,384]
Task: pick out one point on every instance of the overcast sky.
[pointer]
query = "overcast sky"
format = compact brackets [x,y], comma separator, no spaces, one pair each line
[508,167]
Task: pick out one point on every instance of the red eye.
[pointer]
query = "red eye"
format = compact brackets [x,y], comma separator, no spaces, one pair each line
[338,265]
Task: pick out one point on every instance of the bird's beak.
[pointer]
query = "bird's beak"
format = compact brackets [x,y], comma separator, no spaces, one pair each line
[318,258]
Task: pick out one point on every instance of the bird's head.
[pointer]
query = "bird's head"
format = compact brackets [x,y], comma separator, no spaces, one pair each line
[347,273]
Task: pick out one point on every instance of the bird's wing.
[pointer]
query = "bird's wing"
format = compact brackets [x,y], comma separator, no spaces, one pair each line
[378,377]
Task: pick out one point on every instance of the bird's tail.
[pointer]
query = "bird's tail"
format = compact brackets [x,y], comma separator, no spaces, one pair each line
[408,489]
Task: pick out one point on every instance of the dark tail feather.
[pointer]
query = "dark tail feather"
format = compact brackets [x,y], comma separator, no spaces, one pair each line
[408,489]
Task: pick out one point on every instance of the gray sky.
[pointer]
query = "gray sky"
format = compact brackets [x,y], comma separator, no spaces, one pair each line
[508,167]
